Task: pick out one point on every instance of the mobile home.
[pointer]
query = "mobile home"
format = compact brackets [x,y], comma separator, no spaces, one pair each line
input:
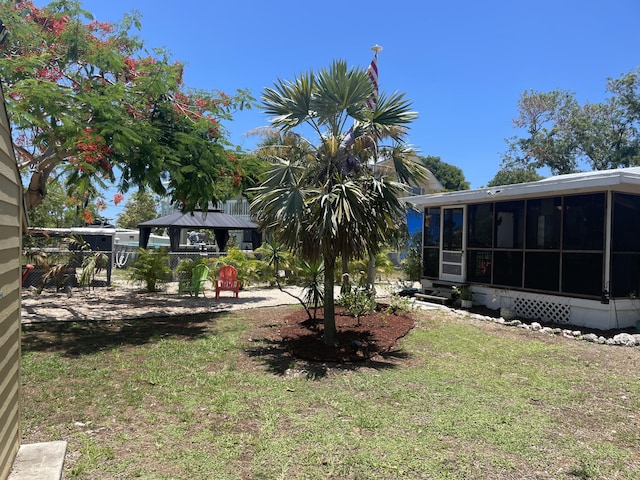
[565,249]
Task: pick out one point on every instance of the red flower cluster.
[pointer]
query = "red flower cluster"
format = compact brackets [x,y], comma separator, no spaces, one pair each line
[87,216]
[130,68]
[103,27]
[92,149]
[52,74]
[47,21]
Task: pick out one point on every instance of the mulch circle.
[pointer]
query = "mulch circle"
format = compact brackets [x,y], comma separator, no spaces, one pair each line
[359,339]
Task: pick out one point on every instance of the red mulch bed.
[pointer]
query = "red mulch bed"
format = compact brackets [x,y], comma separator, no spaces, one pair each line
[359,339]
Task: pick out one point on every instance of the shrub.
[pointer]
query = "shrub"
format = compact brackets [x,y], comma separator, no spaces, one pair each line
[358,299]
[249,269]
[412,262]
[398,303]
[151,267]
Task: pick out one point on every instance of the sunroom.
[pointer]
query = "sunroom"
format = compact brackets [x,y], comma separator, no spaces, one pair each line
[561,250]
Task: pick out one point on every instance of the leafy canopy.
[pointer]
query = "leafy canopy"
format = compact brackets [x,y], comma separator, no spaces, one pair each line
[87,99]
[564,136]
[140,207]
[450,176]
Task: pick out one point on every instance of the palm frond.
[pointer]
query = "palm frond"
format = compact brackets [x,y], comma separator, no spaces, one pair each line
[393,110]
[289,102]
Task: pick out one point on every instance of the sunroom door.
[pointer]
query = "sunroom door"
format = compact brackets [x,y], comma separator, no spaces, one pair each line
[452,247]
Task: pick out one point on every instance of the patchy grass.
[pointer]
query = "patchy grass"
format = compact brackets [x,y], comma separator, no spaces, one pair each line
[218,397]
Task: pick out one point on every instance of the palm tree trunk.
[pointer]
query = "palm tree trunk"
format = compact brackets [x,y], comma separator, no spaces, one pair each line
[345,284]
[330,333]
[371,274]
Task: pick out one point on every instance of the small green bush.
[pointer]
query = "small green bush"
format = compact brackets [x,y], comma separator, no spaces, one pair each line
[359,299]
[151,267]
[399,304]
[412,261]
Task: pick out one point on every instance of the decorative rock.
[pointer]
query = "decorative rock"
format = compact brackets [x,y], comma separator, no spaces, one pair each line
[625,339]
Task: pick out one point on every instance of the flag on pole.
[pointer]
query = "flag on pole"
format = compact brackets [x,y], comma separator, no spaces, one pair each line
[372,101]
[372,72]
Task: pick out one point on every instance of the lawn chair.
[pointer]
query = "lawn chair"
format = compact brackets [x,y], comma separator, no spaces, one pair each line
[227,280]
[195,284]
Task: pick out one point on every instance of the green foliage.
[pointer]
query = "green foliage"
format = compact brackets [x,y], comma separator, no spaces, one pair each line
[463,293]
[51,254]
[359,298]
[273,252]
[312,276]
[250,270]
[510,176]
[184,268]
[399,304]
[92,262]
[383,265]
[151,268]
[564,136]
[140,207]
[412,261]
[87,99]
[450,176]
[55,211]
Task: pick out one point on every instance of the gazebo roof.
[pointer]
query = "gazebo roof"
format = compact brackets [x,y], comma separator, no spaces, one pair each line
[212,219]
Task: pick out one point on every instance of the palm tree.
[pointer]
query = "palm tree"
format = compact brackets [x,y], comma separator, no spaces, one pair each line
[327,201]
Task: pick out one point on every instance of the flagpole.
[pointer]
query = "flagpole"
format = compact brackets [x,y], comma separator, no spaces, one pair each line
[372,71]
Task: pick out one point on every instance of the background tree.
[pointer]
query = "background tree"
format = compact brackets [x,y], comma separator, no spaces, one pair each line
[86,99]
[55,211]
[64,208]
[509,176]
[450,176]
[326,201]
[140,207]
[564,136]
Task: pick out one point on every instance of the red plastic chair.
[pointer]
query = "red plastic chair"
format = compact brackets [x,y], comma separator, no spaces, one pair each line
[227,280]
[27,270]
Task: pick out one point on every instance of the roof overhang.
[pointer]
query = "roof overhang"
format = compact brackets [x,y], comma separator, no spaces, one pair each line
[212,220]
[620,180]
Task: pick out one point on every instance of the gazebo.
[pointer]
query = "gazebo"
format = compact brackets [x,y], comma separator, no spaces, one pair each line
[220,223]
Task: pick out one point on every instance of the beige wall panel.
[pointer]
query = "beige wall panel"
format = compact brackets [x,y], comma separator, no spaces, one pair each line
[10,274]
[9,438]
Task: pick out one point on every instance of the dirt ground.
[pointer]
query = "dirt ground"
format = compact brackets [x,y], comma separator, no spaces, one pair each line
[363,338]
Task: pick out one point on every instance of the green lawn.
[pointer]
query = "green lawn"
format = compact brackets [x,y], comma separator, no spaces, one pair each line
[218,398]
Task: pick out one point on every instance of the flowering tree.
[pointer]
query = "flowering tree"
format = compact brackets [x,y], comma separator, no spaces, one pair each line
[88,104]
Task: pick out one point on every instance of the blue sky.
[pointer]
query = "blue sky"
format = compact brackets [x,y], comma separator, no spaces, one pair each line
[463,63]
